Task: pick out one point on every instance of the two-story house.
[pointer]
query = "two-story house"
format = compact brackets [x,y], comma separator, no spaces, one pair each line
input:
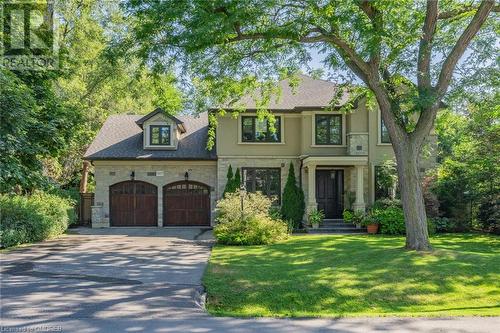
[154,170]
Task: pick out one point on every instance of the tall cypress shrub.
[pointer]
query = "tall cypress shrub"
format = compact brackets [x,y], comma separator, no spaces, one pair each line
[236,180]
[292,204]
[229,182]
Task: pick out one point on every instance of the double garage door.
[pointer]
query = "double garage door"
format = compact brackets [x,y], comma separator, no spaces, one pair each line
[135,203]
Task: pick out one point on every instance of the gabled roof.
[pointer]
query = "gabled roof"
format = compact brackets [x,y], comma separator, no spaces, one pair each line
[150,115]
[309,94]
[121,138]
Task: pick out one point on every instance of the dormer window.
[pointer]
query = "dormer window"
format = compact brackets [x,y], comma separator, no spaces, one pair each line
[159,135]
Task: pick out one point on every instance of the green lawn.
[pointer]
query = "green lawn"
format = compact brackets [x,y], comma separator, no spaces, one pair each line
[329,276]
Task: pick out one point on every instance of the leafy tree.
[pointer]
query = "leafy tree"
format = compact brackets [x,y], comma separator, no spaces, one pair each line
[293,205]
[33,126]
[468,174]
[98,80]
[405,53]
[229,182]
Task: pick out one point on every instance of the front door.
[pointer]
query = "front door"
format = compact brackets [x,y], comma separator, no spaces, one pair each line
[329,189]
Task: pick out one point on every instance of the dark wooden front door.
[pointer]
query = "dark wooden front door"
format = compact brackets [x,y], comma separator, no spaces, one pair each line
[133,204]
[329,189]
[186,203]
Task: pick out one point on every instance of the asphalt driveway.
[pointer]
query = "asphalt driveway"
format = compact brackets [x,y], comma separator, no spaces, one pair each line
[147,280]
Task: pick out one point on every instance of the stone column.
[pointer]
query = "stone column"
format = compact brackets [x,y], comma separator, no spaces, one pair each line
[359,204]
[311,188]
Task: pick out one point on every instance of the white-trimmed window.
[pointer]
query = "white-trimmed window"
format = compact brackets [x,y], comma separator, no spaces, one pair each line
[160,135]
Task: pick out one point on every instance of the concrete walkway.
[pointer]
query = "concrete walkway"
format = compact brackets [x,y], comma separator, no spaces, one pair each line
[148,280]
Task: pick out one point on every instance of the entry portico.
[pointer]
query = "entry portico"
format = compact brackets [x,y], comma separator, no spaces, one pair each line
[326,176]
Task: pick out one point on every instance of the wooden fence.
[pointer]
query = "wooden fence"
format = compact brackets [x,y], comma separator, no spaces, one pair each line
[85,208]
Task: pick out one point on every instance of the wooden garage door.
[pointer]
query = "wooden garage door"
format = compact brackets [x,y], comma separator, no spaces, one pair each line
[186,203]
[133,203]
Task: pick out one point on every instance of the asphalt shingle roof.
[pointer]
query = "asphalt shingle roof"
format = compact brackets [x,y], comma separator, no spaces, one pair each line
[310,93]
[121,138]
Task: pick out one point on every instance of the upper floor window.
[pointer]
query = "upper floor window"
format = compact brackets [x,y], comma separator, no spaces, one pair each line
[159,135]
[384,133]
[255,130]
[328,129]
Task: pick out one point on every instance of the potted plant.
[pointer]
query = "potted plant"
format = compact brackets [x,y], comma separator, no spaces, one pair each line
[355,217]
[316,217]
[371,224]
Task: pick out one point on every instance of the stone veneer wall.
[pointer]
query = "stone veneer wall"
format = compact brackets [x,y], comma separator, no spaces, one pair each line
[200,171]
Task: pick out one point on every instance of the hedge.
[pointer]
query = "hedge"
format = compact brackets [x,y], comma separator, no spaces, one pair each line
[40,216]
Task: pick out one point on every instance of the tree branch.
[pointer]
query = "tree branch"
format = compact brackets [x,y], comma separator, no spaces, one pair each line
[462,44]
[428,115]
[425,47]
[465,9]
[375,17]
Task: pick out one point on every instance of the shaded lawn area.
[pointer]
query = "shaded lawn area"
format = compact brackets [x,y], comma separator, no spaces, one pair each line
[344,275]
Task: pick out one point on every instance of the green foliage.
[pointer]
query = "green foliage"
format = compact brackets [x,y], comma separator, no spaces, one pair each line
[33,126]
[387,176]
[255,225]
[236,180]
[391,220]
[386,203]
[470,151]
[26,219]
[444,224]
[229,182]
[390,217]
[316,217]
[354,217]
[292,203]
[489,214]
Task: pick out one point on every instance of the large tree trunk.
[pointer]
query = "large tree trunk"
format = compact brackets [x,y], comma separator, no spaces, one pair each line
[417,236]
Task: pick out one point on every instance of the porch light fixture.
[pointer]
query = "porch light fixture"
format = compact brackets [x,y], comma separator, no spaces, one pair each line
[186,176]
[132,175]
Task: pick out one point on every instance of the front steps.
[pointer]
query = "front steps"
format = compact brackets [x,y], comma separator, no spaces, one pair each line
[336,226]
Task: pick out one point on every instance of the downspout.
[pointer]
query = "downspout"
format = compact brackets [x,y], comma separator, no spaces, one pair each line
[301,158]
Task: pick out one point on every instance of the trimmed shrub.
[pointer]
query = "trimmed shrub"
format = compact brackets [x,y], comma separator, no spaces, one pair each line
[252,230]
[257,224]
[229,182]
[25,219]
[236,180]
[293,205]
[391,221]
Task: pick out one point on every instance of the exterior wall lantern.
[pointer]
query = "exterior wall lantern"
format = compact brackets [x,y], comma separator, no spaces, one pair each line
[132,175]
[186,176]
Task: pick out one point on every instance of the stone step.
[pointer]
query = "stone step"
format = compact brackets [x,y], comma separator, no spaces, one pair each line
[337,224]
[333,220]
